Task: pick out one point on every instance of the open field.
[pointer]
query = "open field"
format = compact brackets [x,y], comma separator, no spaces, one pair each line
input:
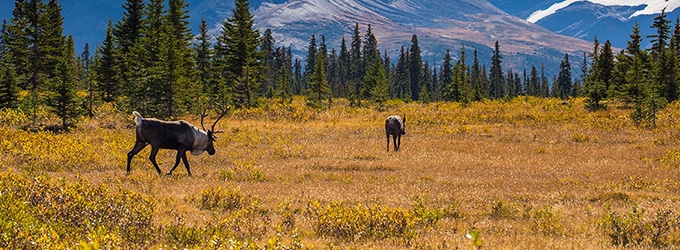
[522,174]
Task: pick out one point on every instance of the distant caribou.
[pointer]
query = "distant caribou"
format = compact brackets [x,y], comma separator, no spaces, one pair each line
[395,126]
[177,135]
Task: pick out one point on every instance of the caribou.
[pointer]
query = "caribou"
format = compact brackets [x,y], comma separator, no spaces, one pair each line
[177,135]
[395,126]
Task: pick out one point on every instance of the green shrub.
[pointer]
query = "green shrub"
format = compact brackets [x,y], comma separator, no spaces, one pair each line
[223,200]
[426,216]
[361,221]
[46,213]
[633,229]
[545,221]
[502,210]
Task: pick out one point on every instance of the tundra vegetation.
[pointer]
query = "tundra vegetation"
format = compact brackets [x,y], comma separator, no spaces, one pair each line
[529,173]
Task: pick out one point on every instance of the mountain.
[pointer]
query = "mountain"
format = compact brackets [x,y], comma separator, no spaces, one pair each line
[607,19]
[439,24]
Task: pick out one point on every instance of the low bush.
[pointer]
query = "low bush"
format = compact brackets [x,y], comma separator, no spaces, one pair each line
[46,213]
[633,229]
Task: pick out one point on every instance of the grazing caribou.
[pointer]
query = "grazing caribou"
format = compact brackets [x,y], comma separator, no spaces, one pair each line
[177,135]
[395,126]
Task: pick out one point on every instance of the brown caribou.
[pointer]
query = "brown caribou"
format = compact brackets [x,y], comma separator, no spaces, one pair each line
[395,126]
[176,135]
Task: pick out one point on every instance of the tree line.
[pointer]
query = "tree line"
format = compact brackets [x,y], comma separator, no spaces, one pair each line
[151,62]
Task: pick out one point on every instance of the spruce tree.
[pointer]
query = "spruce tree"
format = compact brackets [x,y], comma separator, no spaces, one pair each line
[8,80]
[310,60]
[239,48]
[297,77]
[415,66]
[16,42]
[9,89]
[477,79]
[605,64]
[519,85]
[282,86]
[545,88]
[594,87]
[3,47]
[204,56]
[675,39]
[377,81]
[318,86]
[512,89]
[356,67]
[636,80]
[247,85]
[370,50]
[584,72]
[425,82]
[62,97]
[86,63]
[402,76]
[35,44]
[436,89]
[180,61]
[447,76]
[146,66]
[564,81]
[648,105]
[343,69]
[660,39]
[372,77]
[270,65]
[356,60]
[387,64]
[333,72]
[496,79]
[667,74]
[126,32]
[533,85]
[105,68]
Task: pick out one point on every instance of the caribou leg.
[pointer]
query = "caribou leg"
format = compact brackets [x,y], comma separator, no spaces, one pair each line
[152,158]
[186,163]
[399,142]
[179,155]
[388,142]
[135,150]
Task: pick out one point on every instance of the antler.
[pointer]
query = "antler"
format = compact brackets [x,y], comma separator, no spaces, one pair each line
[224,112]
[203,115]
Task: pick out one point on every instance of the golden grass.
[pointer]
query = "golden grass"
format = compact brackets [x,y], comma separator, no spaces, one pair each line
[528,173]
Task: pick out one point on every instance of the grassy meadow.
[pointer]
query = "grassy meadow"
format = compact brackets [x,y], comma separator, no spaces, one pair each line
[528,173]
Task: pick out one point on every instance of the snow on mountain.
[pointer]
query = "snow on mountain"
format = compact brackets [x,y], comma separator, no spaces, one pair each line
[611,20]
[651,7]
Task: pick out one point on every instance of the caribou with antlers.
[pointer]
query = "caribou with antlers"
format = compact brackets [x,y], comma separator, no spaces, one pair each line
[177,135]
